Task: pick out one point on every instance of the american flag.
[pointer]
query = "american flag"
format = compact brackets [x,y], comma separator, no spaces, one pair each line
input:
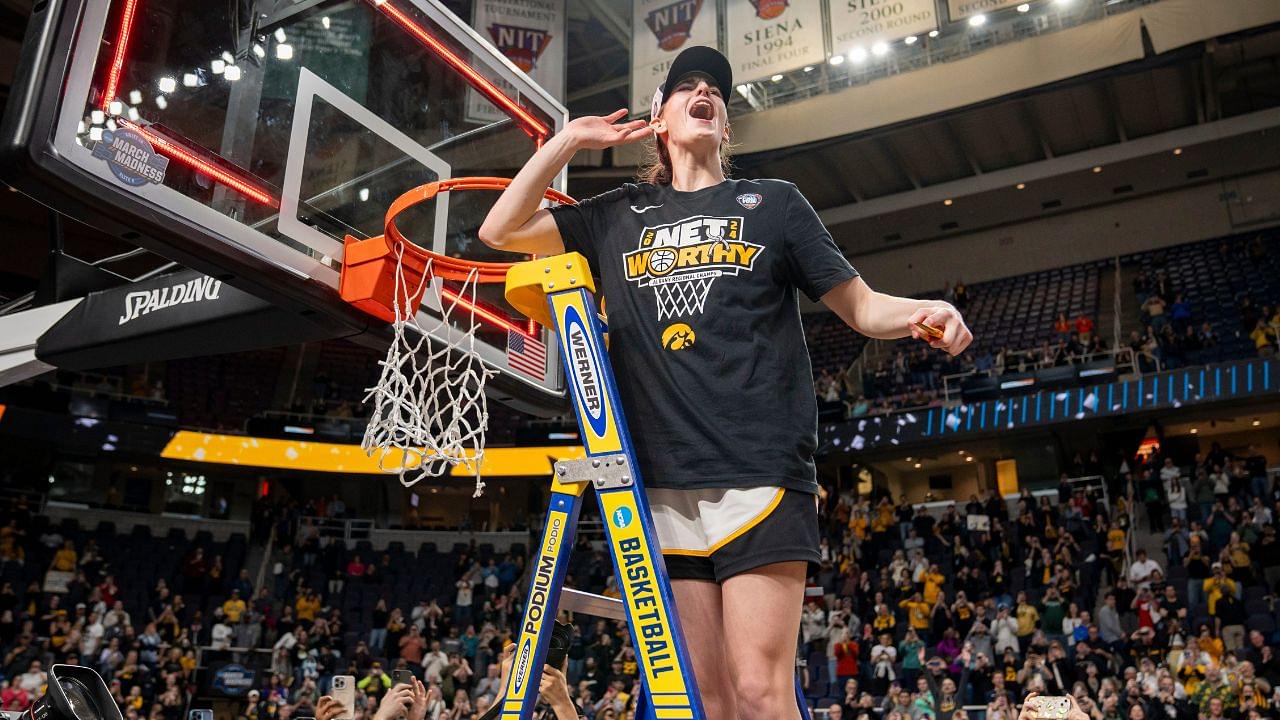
[526,354]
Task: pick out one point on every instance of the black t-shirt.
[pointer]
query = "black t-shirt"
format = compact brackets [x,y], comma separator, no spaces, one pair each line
[704,325]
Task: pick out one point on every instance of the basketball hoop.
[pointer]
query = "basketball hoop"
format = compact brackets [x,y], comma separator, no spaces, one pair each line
[429,408]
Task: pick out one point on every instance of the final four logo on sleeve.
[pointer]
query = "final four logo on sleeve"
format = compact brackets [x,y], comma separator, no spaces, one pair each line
[750,200]
[131,157]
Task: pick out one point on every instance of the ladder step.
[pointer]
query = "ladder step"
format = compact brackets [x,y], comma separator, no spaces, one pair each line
[592,604]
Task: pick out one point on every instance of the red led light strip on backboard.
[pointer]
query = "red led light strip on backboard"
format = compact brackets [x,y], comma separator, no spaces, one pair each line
[117,58]
[482,312]
[531,125]
[180,153]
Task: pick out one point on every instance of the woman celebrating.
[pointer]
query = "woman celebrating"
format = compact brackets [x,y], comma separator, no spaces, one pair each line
[718,391]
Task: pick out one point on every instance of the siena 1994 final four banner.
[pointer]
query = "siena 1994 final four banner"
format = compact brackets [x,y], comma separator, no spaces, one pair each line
[531,34]
[660,29]
[773,36]
[863,23]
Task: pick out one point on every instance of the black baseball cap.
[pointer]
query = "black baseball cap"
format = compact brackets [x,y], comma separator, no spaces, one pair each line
[696,59]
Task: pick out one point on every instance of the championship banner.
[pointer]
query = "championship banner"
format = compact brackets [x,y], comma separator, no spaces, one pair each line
[864,23]
[964,9]
[660,29]
[773,36]
[531,34]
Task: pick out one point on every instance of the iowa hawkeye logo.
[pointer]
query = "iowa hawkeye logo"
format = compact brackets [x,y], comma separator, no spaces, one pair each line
[706,246]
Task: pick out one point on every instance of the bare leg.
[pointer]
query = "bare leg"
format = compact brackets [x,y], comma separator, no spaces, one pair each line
[768,601]
[701,617]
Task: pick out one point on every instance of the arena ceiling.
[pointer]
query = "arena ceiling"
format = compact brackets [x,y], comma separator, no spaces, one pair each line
[882,187]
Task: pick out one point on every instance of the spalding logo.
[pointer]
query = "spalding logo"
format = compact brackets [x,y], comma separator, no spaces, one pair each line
[586,375]
[678,336]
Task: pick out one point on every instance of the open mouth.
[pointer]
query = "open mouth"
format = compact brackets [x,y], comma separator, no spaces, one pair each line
[702,110]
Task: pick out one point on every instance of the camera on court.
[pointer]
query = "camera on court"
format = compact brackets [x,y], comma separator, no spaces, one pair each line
[74,693]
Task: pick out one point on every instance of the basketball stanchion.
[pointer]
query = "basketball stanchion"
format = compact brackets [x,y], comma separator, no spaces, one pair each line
[556,292]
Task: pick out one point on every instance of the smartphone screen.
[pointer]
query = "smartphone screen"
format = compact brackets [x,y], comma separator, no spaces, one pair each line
[200,714]
[344,691]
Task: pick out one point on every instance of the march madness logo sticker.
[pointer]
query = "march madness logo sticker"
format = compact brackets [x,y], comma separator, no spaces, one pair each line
[131,157]
[522,46]
[672,24]
[750,201]
[680,261]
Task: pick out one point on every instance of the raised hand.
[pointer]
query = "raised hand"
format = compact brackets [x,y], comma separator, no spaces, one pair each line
[596,132]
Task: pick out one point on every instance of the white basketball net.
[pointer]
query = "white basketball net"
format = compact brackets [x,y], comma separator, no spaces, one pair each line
[430,411]
[677,296]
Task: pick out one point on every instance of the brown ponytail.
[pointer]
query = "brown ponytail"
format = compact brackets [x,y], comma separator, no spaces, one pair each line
[656,166]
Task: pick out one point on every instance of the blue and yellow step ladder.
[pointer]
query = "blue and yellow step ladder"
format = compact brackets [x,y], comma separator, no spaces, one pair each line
[558,292]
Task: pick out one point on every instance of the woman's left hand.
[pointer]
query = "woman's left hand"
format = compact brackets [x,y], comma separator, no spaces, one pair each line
[955,334]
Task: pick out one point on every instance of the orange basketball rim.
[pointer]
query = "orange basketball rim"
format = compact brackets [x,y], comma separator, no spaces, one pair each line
[386,271]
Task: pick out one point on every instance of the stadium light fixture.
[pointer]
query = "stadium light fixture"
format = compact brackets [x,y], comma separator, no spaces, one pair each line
[1194,431]
[1021,186]
[1097,169]
[978,20]
[776,78]
[858,54]
[1256,422]
[808,68]
[910,40]
[948,202]
[1024,7]
[1177,151]
[933,33]
[969,459]
[836,59]
[880,49]
[918,466]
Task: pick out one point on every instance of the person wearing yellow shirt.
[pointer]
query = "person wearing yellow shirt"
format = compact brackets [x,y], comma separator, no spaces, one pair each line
[1216,585]
[307,606]
[1027,616]
[1210,646]
[933,580]
[917,613]
[233,608]
[859,524]
[65,559]
[884,621]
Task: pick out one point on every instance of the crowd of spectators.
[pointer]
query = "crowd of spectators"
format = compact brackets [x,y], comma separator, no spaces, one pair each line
[912,614]
[926,616]
[913,376]
[1171,336]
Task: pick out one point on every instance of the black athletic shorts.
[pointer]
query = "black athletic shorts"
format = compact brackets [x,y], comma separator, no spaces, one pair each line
[716,533]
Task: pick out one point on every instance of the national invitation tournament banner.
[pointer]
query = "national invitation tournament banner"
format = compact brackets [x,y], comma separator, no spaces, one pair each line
[964,9]
[863,23]
[531,34]
[660,29]
[767,37]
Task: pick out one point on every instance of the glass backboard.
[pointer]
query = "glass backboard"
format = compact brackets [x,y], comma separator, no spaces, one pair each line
[251,137]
